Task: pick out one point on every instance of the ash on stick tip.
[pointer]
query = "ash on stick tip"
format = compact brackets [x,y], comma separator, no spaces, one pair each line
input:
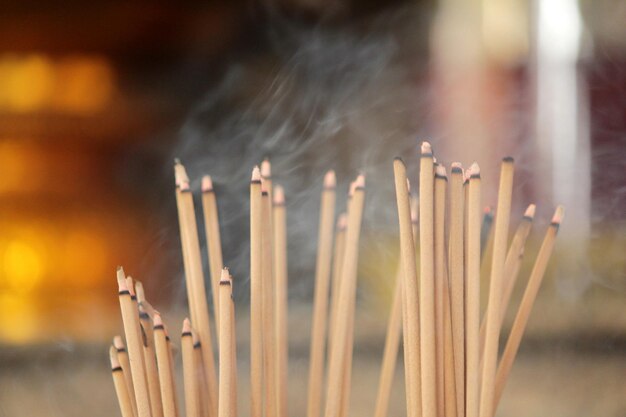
[256,174]
[115,363]
[530,211]
[399,160]
[508,159]
[360,181]
[180,173]
[207,184]
[122,286]
[474,170]
[342,221]
[183,186]
[456,168]
[186,327]
[279,195]
[118,343]
[157,320]
[330,179]
[225,274]
[426,148]
[558,215]
[440,171]
[266,168]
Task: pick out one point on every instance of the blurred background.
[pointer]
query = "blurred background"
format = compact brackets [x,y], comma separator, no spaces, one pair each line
[97,98]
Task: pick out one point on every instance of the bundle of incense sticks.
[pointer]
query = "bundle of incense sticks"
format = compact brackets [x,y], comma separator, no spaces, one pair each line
[451,363]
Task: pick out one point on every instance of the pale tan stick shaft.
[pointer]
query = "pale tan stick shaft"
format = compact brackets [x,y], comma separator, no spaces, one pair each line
[427,284]
[411,322]
[202,385]
[152,374]
[234,393]
[441,281]
[347,365]
[256,299]
[194,273]
[450,395]
[269,324]
[511,271]
[172,369]
[490,356]
[472,299]
[168,391]
[119,381]
[122,356]
[340,245]
[320,299]
[226,349]
[457,284]
[281,284]
[190,375]
[390,352]
[526,305]
[347,293]
[135,350]
[214,241]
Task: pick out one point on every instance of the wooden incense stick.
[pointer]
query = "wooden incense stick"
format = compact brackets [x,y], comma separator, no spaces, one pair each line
[456,282]
[320,297]
[427,284]
[339,249]
[394,331]
[512,266]
[490,355]
[523,312]
[411,323]
[266,174]
[441,279]
[132,331]
[214,241]
[347,294]
[190,375]
[119,381]
[194,274]
[226,359]
[450,395]
[122,356]
[472,299]
[233,346]
[267,290]
[256,300]
[168,391]
[152,374]
[279,221]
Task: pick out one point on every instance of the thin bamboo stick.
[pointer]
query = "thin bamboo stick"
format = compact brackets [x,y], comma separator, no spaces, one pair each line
[190,375]
[339,249]
[168,391]
[122,356]
[226,359]
[441,281]
[256,299]
[490,355]
[119,381]
[320,297]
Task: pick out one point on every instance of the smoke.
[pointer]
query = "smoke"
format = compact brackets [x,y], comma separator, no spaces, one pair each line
[343,99]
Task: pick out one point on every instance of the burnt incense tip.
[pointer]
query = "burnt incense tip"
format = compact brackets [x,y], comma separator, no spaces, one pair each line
[351,189]
[342,221]
[180,173]
[186,327]
[141,295]
[426,149]
[440,172]
[558,215]
[330,179]
[360,181]
[530,211]
[279,195]
[115,363]
[256,174]
[266,169]
[207,184]
[225,274]
[184,186]
[456,168]
[508,159]
[474,171]
[157,321]
[399,159]
[122,287]
[121,276]
[118,343]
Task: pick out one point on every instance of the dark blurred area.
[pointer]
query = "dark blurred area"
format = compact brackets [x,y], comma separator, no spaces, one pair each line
[93,100]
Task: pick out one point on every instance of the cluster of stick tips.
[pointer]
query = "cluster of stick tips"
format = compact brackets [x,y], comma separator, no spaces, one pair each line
[452,366]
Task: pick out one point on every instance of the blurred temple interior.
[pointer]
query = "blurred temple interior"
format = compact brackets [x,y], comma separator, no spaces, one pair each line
[94,101]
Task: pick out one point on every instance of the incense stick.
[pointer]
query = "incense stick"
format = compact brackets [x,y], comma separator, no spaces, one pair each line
[347,293]
[427,284]
[320,297]
[411,323]
[472,300]
[256,301]
[490,355]
[339,249]
[168,393]
[456,282]
[280,273]
[154,389]
[122,357]
[190,376]
[214,241]
[135,349]
[119,381]
[441,280]
[226,359]
[523,312]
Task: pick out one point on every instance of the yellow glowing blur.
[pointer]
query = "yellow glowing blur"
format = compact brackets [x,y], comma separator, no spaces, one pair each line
[22,266]
[80,85]
[18,318]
